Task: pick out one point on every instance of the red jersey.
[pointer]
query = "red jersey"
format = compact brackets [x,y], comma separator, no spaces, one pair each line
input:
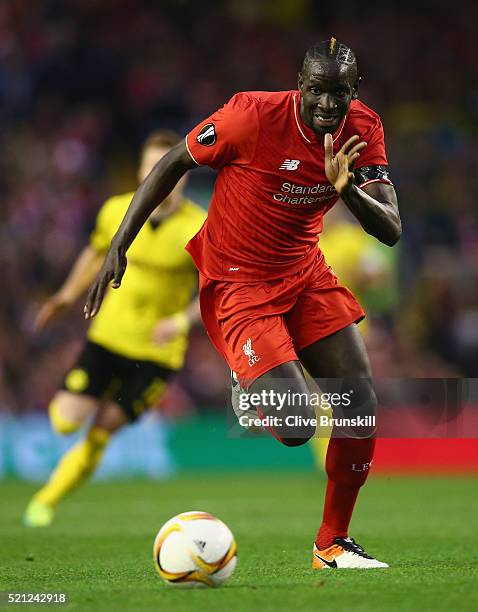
[271,192]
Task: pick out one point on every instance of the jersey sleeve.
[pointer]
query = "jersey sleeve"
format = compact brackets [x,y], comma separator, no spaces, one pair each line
[104,230]
[372,165]
[227,136]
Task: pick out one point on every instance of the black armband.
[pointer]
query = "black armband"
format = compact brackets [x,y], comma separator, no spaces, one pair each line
[371,174]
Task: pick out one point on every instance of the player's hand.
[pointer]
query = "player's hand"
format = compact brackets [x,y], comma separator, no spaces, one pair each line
[169,327]
[338,167]
[51,310]
[113,269]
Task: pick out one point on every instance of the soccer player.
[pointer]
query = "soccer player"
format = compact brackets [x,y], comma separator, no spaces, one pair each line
[139,339]
[269,301]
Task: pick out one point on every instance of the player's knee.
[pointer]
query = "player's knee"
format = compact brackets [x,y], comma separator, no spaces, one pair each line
[373,402]
[364,398]
[59,419]
[301,430]
[110,418]
[363,404]
[298,425]
[294,441]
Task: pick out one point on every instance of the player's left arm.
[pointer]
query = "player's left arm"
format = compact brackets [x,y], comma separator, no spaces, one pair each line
[375,204]
[376,207]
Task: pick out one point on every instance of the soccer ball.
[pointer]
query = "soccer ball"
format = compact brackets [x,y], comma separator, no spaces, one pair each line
[195,549]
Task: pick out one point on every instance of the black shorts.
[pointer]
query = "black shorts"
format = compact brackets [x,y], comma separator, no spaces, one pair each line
[134,385]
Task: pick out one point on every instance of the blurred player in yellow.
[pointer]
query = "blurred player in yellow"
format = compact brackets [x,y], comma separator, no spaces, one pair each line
[137,341]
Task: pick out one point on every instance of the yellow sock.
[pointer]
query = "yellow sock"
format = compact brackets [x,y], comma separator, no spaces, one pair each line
[319,450]
[75,466]
[320,442]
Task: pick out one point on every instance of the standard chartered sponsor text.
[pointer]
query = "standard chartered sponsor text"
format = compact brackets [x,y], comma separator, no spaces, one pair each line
[291,193]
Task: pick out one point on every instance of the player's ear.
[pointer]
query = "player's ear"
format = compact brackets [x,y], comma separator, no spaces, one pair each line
[300,80]
[355,89]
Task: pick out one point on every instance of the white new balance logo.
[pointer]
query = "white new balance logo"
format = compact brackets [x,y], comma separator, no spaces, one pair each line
[250,353]
[289,164]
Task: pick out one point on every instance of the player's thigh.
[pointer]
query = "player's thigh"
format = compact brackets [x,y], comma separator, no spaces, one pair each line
[69,411]
[341,365]
[82,390]
[142,385]
[338,355]
[280,381]
[285,400]
[92,373]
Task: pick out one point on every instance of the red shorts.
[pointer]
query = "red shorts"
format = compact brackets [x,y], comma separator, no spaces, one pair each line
[258,326]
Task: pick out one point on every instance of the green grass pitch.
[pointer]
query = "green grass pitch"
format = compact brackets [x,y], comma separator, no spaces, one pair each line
[99,549]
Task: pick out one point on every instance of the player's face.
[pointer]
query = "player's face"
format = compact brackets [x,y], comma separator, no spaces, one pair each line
[326,88]
[149,159]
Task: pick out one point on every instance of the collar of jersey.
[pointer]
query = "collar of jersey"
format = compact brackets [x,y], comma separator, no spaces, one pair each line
[307,133]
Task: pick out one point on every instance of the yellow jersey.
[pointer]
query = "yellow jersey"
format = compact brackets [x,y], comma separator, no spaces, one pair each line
[159,281]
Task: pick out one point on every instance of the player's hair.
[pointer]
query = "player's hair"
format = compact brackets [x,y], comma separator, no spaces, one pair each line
[161,138]
[330,49]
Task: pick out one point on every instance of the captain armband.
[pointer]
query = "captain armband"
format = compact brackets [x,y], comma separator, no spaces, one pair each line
[372,174]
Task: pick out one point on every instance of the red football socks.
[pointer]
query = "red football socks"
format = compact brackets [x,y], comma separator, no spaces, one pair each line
[347,465]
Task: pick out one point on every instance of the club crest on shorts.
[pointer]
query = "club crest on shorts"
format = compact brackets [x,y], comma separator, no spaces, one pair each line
[250,353]
[207,135]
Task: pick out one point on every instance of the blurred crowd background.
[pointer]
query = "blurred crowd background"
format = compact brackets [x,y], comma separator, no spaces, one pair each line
[82,82]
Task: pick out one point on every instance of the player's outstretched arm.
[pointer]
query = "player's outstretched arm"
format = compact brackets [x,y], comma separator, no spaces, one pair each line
[152,191]
[375,205]
[82,274]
